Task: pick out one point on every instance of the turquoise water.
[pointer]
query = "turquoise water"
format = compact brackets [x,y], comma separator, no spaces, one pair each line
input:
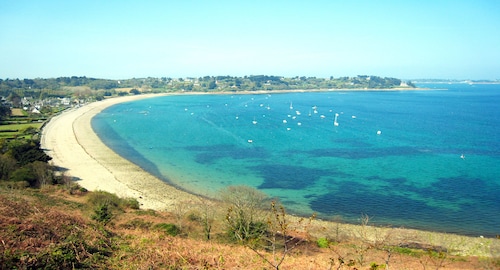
[433,166]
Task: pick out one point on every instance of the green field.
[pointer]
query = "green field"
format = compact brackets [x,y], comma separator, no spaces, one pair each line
[11,131]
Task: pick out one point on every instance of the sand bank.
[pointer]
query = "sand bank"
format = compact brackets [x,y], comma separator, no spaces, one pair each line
[74,147]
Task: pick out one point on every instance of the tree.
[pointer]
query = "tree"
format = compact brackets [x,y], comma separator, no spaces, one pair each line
[28,151]
[24,174]
[15,99]
[212,85]
[282,236]
[7,165]
[245,215]
[43,173]
[135,92]
[207,216]
[4,112]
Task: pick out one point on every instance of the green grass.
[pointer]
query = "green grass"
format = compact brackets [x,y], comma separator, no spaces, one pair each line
[10,131]
[19,127]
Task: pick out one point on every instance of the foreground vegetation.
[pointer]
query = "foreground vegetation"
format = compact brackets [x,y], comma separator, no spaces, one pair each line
[66,227]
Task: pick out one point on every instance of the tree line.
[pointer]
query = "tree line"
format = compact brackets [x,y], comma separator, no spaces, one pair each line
[62,86]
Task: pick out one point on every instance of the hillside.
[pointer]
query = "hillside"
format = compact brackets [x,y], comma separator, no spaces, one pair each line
[65,227]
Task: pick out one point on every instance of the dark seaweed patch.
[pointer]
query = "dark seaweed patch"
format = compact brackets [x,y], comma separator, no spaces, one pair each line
[354,199]
[473,195]
[456,197]
[360,153]
[209,154]
[289,177]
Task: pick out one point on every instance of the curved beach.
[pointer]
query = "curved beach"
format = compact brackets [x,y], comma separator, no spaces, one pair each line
[74,147]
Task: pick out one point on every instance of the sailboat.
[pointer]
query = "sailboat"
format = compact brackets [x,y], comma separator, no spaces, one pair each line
[291,106]
[335,123]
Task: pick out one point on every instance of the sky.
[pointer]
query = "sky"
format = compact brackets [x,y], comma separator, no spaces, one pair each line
[121,39]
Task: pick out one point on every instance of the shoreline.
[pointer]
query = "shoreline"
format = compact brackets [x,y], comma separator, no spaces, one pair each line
[74,147]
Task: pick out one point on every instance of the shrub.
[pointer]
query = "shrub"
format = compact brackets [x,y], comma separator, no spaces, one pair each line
[102,214]
[375,266]
[245,218]
[322,242]
[131,203]
[137,223]
[167,228]
[24,174]
[114,202]
[100,197]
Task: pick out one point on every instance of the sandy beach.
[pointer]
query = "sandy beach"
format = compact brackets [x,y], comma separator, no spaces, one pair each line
[74,147]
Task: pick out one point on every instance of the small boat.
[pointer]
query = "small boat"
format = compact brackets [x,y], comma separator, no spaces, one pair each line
[335,123]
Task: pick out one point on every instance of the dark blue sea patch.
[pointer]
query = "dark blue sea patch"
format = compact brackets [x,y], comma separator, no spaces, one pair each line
[471,195]
[353,199]
[209,154]
[289,177]
[361,153]
[397,183]
[353,143]
[463,206]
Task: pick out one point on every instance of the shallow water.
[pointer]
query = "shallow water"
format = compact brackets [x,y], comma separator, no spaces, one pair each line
[433,165]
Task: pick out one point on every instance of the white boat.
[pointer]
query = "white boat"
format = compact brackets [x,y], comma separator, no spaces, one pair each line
[335,123]
[291,106]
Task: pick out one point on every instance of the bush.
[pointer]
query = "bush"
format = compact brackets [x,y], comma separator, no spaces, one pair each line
[137,223]
[114,202]
[102,214]
[131,203]
[322,242]
[167,228]
[100,197]
[24,174]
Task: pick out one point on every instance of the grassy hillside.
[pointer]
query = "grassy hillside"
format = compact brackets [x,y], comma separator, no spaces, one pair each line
[65,227]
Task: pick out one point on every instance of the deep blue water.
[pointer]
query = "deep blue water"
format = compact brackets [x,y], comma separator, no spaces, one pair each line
[434,165]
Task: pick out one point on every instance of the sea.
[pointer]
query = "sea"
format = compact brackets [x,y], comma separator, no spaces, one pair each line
[426,159]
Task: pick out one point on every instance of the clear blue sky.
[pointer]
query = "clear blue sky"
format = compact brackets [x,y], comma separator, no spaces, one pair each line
[187,38]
